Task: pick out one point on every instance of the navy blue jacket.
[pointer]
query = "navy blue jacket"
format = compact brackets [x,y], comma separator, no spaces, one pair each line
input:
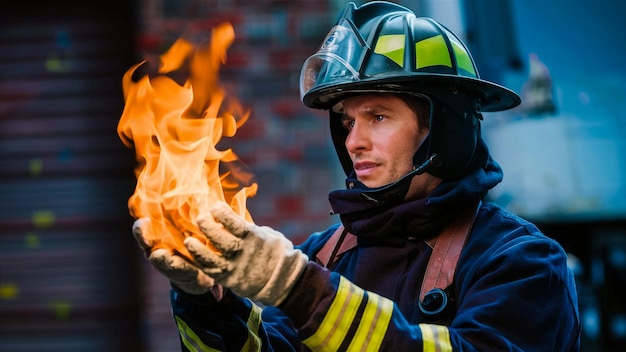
[512,291]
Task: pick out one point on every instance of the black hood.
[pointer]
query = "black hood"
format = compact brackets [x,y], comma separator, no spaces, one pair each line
[379,221]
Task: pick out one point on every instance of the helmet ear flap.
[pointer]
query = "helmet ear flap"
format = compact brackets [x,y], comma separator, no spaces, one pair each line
[422,153]
[339,135]
[454,138]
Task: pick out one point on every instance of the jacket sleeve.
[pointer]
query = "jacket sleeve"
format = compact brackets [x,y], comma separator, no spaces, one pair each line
[233,324]
[520,297]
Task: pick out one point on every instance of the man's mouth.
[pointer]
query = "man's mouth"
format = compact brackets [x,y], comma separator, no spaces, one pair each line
[364,169]
[364,165]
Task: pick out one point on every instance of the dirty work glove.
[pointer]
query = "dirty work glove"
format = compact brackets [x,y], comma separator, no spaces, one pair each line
[255,262]
[181,273]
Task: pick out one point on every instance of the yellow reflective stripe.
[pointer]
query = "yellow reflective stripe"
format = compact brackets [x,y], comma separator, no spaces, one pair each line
[436,338]
[373,325]
[392,46]
[463,60]
[253,342]
[190,339]
[432,51]
[338,318]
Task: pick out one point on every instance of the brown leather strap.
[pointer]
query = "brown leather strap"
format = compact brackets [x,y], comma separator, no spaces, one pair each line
[447,249]
[339,242]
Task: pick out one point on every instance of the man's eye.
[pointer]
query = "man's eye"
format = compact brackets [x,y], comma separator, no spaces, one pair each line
[379,117]
[348,125]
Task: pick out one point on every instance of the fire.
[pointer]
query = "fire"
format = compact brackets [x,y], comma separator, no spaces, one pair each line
[174,129]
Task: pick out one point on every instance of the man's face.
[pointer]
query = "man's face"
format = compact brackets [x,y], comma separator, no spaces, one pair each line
[383,136]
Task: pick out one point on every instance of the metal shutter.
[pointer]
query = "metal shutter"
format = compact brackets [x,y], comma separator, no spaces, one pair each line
[68,261]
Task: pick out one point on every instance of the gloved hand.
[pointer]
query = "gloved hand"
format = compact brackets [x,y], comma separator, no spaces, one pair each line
[180,272]
[255,262]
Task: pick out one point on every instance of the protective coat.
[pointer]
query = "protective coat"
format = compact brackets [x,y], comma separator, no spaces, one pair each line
[512,291]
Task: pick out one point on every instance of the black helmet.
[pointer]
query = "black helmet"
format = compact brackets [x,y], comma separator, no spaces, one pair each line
[384,47]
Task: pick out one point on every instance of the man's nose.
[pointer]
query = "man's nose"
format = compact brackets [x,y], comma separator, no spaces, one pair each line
[358,139]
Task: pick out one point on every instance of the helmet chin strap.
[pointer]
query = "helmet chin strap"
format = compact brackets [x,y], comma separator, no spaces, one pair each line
[396,191]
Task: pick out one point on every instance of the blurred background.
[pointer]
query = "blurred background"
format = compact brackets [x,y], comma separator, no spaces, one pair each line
[71,276]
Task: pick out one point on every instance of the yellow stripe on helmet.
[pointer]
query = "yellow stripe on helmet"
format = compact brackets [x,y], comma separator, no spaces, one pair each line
[392,46]
[432,51]
[463,59]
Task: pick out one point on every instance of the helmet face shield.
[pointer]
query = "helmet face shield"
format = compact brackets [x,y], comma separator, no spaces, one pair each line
[337,60]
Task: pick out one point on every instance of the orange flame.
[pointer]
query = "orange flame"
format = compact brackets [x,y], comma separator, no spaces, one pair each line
[174,130]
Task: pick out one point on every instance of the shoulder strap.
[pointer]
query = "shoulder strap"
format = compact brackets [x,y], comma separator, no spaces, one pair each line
[339,242]
[447,249]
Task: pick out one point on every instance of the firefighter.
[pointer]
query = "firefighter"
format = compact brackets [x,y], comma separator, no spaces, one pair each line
[419,261]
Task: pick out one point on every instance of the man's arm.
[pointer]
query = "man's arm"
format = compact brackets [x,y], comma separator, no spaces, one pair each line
[518,299]
[232,324]
[519,295]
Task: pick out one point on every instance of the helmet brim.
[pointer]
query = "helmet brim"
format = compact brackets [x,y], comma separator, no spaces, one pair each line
[491,97]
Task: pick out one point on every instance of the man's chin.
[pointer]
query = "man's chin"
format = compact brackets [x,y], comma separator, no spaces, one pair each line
[372,183]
